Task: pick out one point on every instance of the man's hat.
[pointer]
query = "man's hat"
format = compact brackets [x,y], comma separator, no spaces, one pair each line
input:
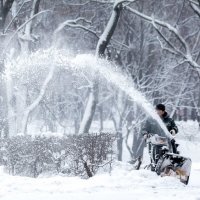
[160,107]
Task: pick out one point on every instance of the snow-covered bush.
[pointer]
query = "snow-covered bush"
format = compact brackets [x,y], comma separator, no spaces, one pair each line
[14,153]
[80,155]
[90,152]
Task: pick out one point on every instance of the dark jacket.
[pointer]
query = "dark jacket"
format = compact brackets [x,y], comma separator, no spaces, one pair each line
[169,123]
[151,125]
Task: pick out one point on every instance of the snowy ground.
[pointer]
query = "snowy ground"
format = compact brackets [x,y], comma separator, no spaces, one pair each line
[123,183]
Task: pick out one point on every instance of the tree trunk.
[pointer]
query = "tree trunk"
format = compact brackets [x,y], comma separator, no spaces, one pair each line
[100,52]
[35,172]
[9,97]
[119,115]
[101,118]
[21,97]
[16,125]
[119,145]
[26,38]
[4,9]
[90,109]
[109,31]
[1,16]
[87,169]
[36,102]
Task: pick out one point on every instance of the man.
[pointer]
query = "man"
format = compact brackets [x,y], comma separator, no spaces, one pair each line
[151,126]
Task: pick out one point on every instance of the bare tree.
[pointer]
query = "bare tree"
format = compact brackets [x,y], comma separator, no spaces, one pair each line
[100,52]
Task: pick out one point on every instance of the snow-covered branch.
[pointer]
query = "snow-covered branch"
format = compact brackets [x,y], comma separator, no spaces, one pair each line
[196,7]
[187,53]
[34,11]
[14,17]
[109,30]
[30,108]
[75,24]
[23,25]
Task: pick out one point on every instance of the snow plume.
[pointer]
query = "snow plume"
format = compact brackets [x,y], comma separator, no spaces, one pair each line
[87,63]
[114,75]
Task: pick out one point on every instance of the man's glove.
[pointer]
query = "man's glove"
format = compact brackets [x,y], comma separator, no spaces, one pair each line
[173,132]
[145,135]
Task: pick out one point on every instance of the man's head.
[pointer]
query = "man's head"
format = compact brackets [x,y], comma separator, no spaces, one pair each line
[160,109]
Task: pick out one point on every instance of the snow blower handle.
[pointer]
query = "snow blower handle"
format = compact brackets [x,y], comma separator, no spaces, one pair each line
[173,132]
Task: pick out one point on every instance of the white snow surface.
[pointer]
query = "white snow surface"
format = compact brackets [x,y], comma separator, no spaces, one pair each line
[123,182]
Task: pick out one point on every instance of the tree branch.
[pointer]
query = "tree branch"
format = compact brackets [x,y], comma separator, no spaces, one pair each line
[187,54]
[22,26]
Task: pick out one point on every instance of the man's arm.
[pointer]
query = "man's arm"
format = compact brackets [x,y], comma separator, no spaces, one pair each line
[145,127]
[174,127]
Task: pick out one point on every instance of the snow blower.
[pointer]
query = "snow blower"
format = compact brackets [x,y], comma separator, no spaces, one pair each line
[165,163]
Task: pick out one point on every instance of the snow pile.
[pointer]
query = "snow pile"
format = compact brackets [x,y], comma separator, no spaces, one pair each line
[122,183]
